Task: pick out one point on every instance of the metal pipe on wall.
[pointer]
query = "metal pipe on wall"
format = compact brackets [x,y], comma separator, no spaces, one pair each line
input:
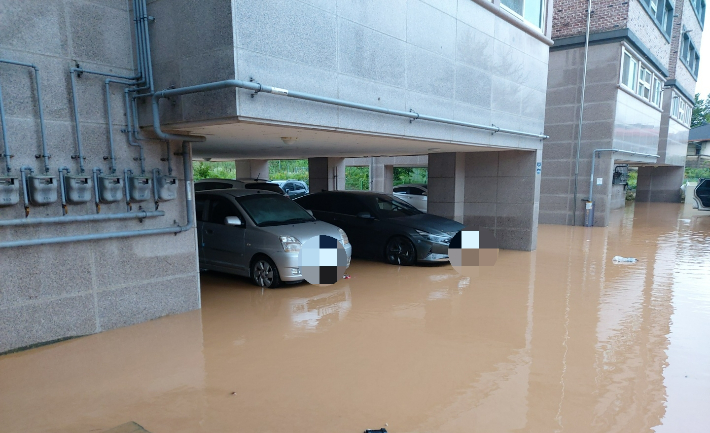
[6,146]
[82,218]
[581,116]
[256,87]
[38,86]
[125,234]
[109,117]
[132,128]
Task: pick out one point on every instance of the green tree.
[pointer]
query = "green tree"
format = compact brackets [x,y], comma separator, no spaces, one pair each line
[405,175]
[357,178]
[701,111]
[213,170]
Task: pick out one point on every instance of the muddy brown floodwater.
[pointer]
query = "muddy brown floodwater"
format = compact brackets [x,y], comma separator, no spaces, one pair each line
[558,340]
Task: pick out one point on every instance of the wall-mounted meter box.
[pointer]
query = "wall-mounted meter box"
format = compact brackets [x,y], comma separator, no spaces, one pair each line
[110,188]
[139,188]
[167,187]
[42,189]
[9,190]
[77,189]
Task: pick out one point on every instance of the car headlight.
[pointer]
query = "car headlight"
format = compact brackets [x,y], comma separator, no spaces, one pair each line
[440,239]
[290,244]
[344,237]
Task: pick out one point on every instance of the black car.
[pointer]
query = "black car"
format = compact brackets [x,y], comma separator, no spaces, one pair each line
[702,195]
[382,226]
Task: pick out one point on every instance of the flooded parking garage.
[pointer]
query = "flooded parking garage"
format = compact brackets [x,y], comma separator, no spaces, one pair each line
[560,339]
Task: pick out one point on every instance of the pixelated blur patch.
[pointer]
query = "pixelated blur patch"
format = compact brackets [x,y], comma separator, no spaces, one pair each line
[473,248]
[322,260]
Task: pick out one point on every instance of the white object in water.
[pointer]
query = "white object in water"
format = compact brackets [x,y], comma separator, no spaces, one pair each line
[619,259]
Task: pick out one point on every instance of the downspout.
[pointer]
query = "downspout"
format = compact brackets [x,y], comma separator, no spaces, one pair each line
[146,44]
[256,87]
[124,234]
[581,117]
[6,146]
[44,154]
[25,194]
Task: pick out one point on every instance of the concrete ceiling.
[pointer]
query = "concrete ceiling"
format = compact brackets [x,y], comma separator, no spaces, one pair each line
[242,140]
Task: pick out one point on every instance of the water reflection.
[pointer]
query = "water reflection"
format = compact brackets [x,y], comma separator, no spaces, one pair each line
[558,340]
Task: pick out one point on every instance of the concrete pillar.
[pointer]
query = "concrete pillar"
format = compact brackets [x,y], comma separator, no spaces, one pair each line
[252,168]
[388,179]
[495,190]
[659,184]
[326,174]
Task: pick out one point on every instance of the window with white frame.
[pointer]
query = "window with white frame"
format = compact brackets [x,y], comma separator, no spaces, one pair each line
[644,88]
[657,93]
[532,11]
[629,67]
[681,110]
[699,7]
[638,77]
[689,54]
[661,12]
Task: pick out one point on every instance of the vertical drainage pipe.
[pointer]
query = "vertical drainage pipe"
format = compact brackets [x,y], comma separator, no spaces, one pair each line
[581,118]
[25,195]
[146,45]
[96,172]
[6,146]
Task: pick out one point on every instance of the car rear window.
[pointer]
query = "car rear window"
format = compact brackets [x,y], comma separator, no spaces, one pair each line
[265,187]
[273,210]
[204,186]
[390,207]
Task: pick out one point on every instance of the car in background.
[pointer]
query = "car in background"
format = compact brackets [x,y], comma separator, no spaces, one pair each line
[210,184]
[294,188]
[413,193]
[256,234]
[701,195]
[382,226]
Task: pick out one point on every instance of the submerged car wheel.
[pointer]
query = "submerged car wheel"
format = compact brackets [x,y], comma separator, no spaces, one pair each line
[264,273]
[400,251]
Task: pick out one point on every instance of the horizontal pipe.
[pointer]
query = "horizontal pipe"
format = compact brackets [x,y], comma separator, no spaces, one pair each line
[124,234]
[305,96]
[92,237]
[104,74]
[82,218]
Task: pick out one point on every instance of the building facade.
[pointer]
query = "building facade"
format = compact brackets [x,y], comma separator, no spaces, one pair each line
[640,75]
[698,155]
[462,81]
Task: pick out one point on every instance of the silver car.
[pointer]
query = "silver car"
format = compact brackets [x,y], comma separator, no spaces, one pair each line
[257,234]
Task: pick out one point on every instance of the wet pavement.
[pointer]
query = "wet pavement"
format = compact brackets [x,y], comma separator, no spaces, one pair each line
[558,340]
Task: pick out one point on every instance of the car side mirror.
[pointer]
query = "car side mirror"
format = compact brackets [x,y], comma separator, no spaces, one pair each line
[365,215]
[310,212]
[233,221]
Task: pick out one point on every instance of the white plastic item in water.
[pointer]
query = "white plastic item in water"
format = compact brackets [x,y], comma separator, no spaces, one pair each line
[619,259]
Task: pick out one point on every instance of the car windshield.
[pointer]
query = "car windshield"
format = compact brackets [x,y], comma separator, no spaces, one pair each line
[390,207]
[273,210]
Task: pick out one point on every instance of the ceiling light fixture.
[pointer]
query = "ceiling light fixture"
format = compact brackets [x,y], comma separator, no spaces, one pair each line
[289,140]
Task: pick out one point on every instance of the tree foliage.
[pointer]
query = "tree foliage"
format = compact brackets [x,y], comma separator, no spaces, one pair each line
[405,175]
[357,178]
[701,111]
[213,170]
[285,169]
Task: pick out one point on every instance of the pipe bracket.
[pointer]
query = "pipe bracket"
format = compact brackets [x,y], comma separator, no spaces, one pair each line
[412,119]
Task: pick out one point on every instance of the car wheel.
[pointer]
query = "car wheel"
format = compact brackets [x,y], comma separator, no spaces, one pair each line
[264,273]
[400,251]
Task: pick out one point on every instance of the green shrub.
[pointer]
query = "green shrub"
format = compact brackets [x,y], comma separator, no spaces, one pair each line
[405,175]
[357,178]
[213,170]
[693,174]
